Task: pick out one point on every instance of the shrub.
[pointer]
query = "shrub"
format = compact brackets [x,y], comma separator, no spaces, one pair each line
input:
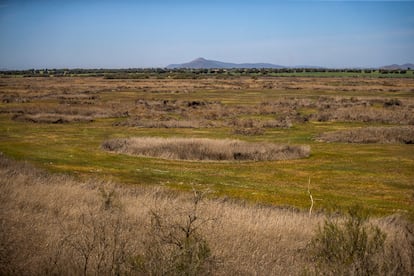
[349,248]
[399,253]
[174,243]
[385,135]
[392,115]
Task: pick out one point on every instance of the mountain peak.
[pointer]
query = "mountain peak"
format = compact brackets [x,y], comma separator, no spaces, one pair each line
[202,63]
[398,67]
[200,59]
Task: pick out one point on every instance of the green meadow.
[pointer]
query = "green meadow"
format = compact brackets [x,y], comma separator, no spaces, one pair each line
[379,177]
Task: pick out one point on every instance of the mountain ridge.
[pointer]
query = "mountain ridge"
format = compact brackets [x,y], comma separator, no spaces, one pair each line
[404,66]
[202,63]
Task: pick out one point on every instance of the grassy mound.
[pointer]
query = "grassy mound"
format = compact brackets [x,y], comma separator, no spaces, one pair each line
[205,149]
[383,135]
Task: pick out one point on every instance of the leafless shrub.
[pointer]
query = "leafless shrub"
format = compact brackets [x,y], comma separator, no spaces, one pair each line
[174,244]
[97,241]
[383,135]
[205,149]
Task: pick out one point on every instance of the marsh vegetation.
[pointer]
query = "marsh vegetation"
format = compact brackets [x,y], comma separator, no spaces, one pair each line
[124,162]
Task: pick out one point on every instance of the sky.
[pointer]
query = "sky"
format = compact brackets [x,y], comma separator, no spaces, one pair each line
[155,33]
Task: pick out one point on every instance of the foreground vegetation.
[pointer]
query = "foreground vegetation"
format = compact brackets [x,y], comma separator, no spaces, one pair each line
[55,225]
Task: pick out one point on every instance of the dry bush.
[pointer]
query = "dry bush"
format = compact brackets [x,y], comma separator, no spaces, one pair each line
[356,246]
[399,245]
[51,118]
[349,248]
[169,123]
[284,123]
[367,114]
[383,135]
[174,244]
[251,131]
[255,123]
[55,225]
[204,149]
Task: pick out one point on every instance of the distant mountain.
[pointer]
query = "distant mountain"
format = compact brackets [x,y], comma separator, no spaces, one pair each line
[398,67]
[202,63]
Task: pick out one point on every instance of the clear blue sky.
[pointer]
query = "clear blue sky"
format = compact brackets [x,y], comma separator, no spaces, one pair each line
[155,33]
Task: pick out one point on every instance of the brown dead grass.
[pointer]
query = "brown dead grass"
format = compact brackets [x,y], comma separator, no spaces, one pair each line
[50,223]
[205,149]
[401,115]
[167,103]
[51,118]
[53,224]
[383,135]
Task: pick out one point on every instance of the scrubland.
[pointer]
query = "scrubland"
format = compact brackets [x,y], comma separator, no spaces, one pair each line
[99,185]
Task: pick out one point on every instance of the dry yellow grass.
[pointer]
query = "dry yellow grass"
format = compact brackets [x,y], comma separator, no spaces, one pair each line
[53,224]
[205,149]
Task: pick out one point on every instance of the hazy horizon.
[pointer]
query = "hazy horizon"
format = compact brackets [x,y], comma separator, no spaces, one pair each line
[143,34]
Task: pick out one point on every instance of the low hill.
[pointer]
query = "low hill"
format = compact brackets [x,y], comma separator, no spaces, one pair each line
[399,67]
[202,63]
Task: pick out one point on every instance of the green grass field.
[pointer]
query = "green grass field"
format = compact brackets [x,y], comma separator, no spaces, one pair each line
[379,177]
